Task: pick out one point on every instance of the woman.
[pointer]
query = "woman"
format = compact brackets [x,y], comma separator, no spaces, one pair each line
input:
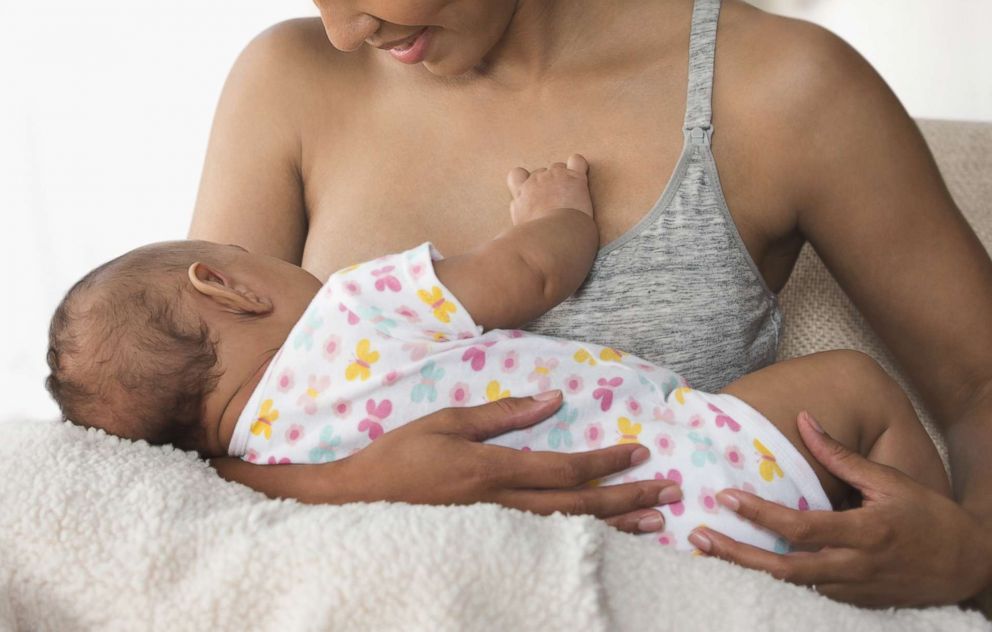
[311,145]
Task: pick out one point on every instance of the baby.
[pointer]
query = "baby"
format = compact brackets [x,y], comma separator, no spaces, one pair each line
[213,348]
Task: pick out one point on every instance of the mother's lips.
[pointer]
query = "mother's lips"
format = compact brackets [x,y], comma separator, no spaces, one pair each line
[405,42]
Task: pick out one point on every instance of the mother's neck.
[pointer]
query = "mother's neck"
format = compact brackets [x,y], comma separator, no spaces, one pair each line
[567,38]
[540,35]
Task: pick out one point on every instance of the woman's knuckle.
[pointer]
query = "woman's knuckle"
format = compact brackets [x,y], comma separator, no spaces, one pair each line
[577,503]
[800,531]
[486,473]
[567,472]
[782,570]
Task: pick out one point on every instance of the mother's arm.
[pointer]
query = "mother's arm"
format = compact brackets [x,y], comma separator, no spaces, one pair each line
[252,195]
[872,203]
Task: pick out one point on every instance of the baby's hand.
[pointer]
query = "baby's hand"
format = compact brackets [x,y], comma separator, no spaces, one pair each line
[559,186]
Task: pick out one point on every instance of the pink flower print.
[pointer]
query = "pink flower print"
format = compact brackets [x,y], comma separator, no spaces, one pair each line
[510,362]
[465,335]
[282,461]
[514,333]
[285,380]
[665,444]
[294,433]
[377,413]
[385,279]
[722,419]
[605,391]
[352,316]
[352,287]
[665,538]
[677,508]
[707,500]
[594,435]
[633,406]
[695,421]
[476,356]
[251,456]
[734,456]
[664,413]
[573,384]
[331,348]
[647,368]
[418,350]
[315,386]
[542,372]
[526,448]
[407,313]
[391,378]
[341,408]
[803,504]
[416,270]
[460,394]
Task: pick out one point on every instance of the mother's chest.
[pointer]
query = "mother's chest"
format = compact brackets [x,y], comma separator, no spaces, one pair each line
[407,184]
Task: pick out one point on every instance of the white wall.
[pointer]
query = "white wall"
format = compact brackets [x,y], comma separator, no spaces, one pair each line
[935,54]
[105,108]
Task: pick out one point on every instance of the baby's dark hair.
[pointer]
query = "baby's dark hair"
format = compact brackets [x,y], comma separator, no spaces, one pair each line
[128,355]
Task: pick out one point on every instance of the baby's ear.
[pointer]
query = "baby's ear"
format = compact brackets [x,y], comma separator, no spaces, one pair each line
[233,297]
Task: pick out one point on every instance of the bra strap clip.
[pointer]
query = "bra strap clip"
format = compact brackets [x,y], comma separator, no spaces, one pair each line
[700,135]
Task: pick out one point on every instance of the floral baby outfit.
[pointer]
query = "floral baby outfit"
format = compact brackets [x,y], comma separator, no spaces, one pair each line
[384,342]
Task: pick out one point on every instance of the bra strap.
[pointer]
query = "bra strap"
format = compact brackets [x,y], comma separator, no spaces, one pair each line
[702,51]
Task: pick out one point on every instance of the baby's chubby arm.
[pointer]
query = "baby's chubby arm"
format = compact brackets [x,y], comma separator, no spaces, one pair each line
[525,271]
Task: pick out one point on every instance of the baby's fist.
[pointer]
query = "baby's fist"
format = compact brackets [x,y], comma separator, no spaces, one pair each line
[559,186]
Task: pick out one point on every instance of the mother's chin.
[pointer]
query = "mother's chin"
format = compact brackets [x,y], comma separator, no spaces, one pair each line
[449,37]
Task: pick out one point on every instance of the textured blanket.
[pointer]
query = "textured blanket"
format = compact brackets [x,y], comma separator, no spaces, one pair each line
[98,533]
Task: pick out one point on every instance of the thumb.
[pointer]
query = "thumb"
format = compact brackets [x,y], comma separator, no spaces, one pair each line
[577,162]
[478,423]
[843,463]
[515,179]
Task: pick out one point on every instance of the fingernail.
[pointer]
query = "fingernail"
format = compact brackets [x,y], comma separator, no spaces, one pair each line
[812,422]
[640,455]
[670,494]
[651,522]
[729,501]
[700,541]
[548,395]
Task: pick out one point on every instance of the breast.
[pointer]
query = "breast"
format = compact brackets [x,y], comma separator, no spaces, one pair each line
[678,290]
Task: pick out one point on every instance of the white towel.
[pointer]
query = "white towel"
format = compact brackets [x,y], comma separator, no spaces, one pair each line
[102,533]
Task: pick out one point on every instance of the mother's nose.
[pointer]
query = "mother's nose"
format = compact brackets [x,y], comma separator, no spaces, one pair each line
[346,27]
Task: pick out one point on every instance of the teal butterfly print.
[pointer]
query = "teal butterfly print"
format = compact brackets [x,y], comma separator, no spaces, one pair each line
[430,375]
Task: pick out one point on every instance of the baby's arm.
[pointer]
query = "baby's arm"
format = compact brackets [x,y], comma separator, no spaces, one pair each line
[528,269]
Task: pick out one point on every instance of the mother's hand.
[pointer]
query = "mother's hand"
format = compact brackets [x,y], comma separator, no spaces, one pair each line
[439,460]
[905,546]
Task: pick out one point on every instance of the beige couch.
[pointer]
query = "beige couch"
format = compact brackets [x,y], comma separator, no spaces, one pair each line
[819,316]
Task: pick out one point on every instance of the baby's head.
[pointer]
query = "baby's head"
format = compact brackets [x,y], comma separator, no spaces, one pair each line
[152,344]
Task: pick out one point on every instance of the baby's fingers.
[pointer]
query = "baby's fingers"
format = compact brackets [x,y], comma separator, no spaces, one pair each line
[515,179]
[577,162]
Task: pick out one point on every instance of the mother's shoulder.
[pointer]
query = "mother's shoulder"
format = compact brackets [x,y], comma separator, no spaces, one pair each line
[785,71]
[295,55]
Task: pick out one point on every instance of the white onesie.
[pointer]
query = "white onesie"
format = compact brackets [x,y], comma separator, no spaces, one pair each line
[384,342]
